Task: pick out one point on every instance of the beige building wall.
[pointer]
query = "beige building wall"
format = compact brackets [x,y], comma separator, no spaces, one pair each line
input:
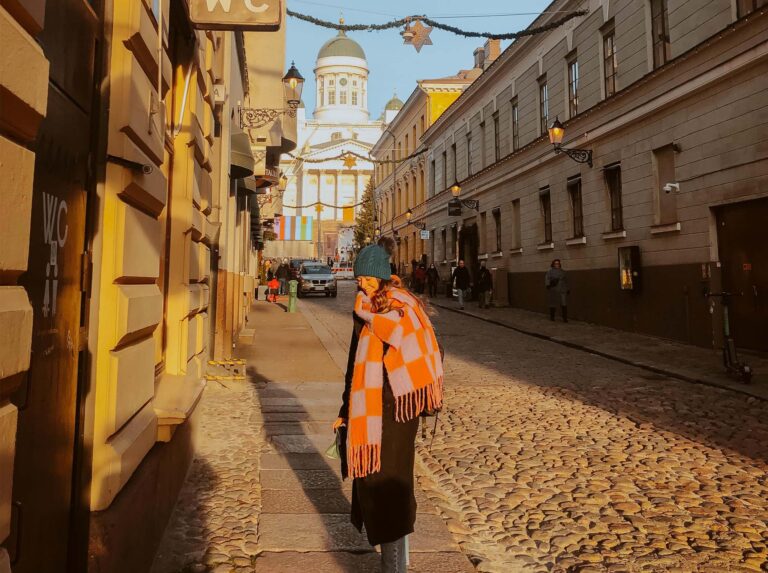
[23,103]
[706,106]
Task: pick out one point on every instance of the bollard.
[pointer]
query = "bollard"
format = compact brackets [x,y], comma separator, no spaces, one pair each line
[293,289]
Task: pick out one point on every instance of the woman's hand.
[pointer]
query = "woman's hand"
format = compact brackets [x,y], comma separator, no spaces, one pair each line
[362,304]
[339,423]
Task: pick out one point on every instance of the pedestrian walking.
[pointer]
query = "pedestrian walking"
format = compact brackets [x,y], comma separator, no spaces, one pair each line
[433,279]
[484,285]
[421,279]
[462,281]
[274,289]
[282,275]
[394,372]
[556,282]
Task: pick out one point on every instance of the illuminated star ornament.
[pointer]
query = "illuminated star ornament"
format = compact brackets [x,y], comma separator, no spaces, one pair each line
[350,161]
[420,35]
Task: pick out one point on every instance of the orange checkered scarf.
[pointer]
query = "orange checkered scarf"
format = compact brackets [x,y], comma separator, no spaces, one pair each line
[415,372]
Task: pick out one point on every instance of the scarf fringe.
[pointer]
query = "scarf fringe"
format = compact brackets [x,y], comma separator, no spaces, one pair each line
[410,405]
[364,459]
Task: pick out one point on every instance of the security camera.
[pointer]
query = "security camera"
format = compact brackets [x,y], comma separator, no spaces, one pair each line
[672,187]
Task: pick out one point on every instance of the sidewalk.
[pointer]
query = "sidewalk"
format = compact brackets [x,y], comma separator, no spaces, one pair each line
[664,357]
[281,506]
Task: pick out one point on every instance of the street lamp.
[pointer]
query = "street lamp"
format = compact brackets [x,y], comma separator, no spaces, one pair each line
[418,225]
[556,134]
[293,84]
[455,204]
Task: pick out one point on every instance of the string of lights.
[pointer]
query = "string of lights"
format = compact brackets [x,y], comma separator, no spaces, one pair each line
[400,22]
[359,156]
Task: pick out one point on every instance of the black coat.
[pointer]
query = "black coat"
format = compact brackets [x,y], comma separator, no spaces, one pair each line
[461,278]
[384,501]
[282,271]
[484,280]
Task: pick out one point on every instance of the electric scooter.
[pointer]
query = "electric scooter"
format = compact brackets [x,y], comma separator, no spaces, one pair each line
[741,370]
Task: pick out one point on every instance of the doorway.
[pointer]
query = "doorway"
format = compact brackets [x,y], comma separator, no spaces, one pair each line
[469,246]
[743,254]
[46,489]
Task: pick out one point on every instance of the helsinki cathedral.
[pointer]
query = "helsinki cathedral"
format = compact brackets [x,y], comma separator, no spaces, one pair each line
[320,187]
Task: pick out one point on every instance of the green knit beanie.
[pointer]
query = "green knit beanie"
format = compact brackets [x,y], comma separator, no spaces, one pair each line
[373,261]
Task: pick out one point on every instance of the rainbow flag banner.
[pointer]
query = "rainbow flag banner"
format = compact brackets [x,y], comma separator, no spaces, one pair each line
[291,228]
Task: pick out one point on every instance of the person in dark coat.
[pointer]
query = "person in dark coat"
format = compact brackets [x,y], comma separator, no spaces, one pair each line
[462,281]
[556,283]
[383,497]
[282,275]
[421,278]
[484,285]
[433,279]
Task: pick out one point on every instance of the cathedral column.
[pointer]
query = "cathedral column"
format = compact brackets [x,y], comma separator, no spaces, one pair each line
[336,195]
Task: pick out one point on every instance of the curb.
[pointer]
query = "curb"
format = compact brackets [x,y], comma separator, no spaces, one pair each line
[602,354]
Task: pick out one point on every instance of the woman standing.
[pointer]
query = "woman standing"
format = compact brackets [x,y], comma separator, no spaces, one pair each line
[556,282]
[433,278]
[394,372]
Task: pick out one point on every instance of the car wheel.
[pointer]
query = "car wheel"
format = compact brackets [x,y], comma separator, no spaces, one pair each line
[333,294]
[327,294]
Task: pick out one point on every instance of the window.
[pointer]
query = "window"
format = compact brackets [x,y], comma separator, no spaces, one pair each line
[422,125]
[433,185]
[343,97]
[577,212]
[453,158]
[659,32]
[610,64]
[744,7]
[666,201]
[496,146]
[546,213]
[354,98]
[336,136]
[612,175]
[331,97]
[543,106]
[445,170]
[444,241]
[330,81]
[483,158]
[354,83]
[573,86]
[497,223]
[515,125]
[517,234]
[483,233]
[469,153]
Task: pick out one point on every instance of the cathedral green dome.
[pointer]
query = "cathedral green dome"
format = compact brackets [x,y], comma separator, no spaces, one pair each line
[395,104]
[342,46]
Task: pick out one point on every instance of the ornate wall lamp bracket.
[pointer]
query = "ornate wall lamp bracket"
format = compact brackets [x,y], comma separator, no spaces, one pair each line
[556,134]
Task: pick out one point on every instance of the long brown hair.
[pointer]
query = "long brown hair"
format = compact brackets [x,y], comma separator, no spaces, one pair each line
[381,303]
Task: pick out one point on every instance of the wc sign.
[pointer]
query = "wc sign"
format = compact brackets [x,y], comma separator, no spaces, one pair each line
[259,15]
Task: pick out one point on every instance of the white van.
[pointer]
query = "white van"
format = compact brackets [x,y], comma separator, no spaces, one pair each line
[343,270]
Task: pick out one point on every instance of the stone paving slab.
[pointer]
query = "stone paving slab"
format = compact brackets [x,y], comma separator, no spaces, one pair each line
[318,562]
[330,500]
[299,479]
[286,461]
[309,532]
[294,428]
[307,444]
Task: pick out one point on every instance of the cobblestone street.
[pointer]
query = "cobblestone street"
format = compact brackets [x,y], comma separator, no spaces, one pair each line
[549,458]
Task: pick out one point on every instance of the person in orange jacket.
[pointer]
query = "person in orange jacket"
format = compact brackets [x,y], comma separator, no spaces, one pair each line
[274,287]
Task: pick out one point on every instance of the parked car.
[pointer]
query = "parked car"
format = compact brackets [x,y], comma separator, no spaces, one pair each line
[294,267]
[316,278]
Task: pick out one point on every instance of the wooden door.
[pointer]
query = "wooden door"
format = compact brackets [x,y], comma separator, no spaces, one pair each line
[741,233]
[47,441]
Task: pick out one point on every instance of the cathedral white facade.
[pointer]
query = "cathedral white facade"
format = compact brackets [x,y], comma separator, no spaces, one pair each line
[318,185]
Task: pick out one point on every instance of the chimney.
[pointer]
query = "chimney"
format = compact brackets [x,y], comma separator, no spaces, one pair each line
[479,58]
[492,51]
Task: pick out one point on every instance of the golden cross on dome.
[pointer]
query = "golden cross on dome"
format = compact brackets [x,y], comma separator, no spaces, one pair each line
[420,35]
[350,161]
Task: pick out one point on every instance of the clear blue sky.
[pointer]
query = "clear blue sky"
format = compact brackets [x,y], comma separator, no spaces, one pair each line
[392,64]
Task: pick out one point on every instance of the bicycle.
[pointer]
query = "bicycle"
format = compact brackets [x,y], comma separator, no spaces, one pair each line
[741,370]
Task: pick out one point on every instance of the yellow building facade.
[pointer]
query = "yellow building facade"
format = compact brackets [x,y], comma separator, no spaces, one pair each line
[401,184]
[127,262]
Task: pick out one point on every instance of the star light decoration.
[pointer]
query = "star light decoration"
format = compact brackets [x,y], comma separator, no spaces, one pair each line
[417,35]
[350,161]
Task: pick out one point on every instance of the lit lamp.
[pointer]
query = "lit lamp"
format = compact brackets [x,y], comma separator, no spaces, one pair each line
[293,84]
[556,134]
[282,183]
[455,204]
[409,216]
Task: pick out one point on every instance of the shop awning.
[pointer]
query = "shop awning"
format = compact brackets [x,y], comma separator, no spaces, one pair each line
[242,162]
